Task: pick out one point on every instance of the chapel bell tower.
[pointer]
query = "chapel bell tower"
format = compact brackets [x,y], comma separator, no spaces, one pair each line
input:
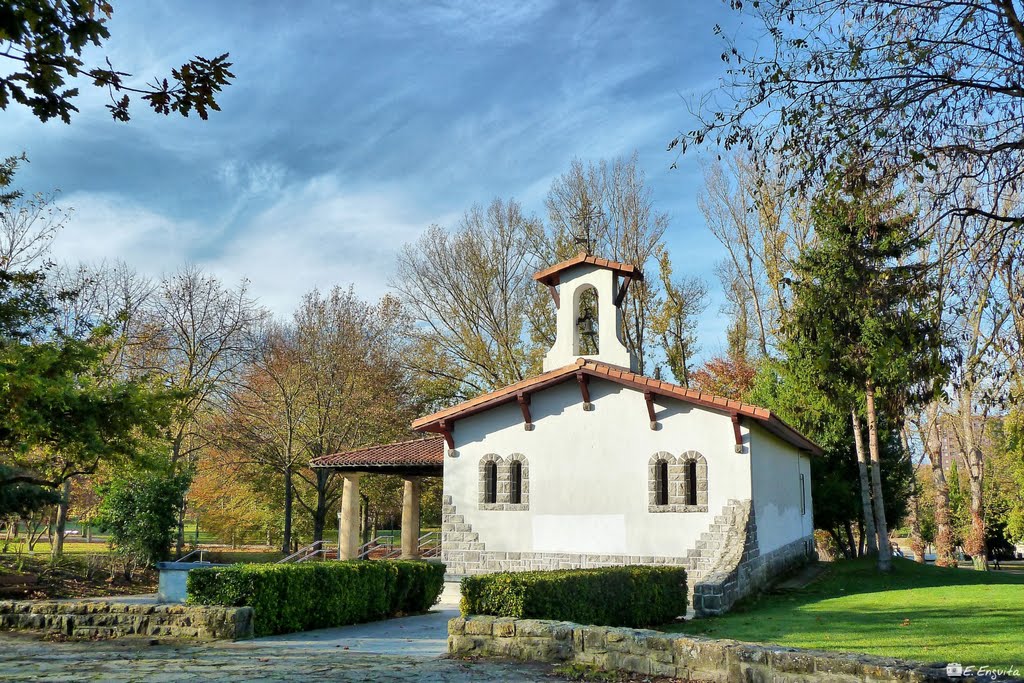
[588,292]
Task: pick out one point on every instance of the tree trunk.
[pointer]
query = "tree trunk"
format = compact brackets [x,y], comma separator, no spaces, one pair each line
[179,543]
[884,552]
[916,540]
[865,487]
[286,542]
[851,544]
[976,545]
[973,457]
[320,514]
[944,556]
[57,549]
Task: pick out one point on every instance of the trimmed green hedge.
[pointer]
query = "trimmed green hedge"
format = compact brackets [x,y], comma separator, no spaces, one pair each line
[635,596]
[301,597]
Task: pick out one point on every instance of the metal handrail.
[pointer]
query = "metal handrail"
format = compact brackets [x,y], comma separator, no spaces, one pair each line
[197,550]
[325,550]
[374,543]
[311,548]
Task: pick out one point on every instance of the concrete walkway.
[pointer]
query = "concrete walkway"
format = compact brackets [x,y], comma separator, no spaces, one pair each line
[425,635]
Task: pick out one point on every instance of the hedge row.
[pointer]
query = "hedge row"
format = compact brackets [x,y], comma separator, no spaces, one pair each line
[634,596]
[300,597]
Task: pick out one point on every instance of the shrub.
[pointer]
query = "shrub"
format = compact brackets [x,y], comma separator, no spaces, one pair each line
[633,596]
[140,510]
[300,597]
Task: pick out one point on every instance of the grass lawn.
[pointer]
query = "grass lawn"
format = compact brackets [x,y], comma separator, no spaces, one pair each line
[923,613]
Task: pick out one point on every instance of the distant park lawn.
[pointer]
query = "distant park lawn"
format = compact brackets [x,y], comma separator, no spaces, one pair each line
[924,613]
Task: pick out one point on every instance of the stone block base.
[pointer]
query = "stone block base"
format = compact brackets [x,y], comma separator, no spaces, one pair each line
[97,619]
[652,653]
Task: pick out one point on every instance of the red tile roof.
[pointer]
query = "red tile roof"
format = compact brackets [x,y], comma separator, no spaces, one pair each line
[592,368]
[424,451]
[550,276]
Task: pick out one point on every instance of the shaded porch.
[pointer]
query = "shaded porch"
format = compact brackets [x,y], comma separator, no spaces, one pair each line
[412,460]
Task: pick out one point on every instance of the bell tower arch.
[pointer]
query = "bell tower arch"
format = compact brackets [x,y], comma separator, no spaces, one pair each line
[588,292]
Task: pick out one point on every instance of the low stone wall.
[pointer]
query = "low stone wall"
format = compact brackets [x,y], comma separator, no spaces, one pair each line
[662,654]
[97,619]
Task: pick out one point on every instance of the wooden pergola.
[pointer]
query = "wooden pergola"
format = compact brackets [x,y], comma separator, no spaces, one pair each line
[412,460]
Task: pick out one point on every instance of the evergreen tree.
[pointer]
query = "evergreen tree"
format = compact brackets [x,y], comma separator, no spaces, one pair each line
[861,330]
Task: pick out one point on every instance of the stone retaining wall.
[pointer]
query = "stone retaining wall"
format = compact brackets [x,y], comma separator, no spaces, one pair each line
[96,619]
[663,654]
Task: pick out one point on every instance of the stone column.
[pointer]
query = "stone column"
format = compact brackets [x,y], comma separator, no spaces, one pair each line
[348,518]
[339,533]
[411,519]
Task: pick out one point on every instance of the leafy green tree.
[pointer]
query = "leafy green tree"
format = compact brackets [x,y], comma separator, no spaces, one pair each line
[861,328]
[45,39]
[780,387]
[140,510]
[22,498]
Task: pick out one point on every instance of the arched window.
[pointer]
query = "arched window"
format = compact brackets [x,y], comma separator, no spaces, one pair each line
[691,482]
[661,483]
[587,323]
[490,482]
[515,482]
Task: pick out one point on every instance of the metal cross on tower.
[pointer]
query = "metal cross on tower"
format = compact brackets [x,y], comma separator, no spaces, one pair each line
[584,219]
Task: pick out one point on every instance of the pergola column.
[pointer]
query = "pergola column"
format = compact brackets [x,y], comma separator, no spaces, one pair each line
[348,523]
[411,519]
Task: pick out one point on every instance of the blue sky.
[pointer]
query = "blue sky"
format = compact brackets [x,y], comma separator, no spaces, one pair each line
[351,127]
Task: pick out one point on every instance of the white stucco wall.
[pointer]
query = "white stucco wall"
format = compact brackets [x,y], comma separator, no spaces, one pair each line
[776,485]
[588,472]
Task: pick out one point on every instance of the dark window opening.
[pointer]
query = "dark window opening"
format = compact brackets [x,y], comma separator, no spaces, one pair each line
[515,487]
[803,495]
[491,483]
[587,323]
[661,483]
[691,482]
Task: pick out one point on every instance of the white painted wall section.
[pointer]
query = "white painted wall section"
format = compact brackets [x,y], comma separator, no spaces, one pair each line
[588,472]
[776,470]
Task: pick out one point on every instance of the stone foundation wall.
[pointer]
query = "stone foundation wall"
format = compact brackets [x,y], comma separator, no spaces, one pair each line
[661,654]
[737,568]
[724,566]
[95,619]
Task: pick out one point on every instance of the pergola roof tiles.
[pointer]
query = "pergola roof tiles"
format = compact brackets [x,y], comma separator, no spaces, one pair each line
[423,455]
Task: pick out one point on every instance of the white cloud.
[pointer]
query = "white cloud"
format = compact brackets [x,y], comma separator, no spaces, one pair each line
[108,226]
[319,234]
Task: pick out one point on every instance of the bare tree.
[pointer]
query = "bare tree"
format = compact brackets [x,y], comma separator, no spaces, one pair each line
[196,334]
[28,225]
[675,322]
[749,207]
[264,411]
[927,91]
[467,293]
[607,208]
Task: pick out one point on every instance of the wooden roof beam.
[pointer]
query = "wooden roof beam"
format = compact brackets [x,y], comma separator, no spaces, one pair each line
[737,433]
[649,399]
[524,405]
[583,380]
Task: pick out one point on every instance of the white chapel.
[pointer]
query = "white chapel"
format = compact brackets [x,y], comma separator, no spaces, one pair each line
[590,464]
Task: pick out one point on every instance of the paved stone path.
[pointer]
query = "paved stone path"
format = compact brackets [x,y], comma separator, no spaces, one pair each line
[28,658]
[407,649]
